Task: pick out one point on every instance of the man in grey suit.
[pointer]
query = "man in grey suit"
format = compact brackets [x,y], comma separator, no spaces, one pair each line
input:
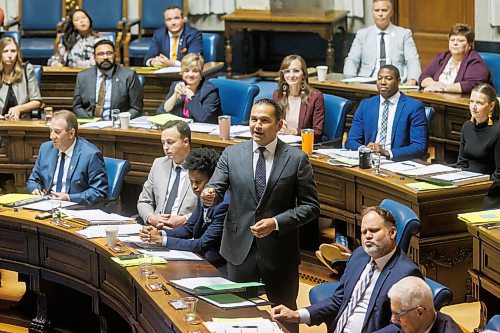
[107,86]
[167,200]
[381,44]
[274,193]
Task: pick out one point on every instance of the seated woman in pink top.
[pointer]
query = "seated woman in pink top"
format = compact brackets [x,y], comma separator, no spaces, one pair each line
[459,69]
[304,106]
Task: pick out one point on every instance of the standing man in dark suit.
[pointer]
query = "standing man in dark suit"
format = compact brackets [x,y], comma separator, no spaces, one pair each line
[107,86]
[360,303]
[173,41]
[167,199]
[68,167]
[412,308]
[391,123]
[273,194]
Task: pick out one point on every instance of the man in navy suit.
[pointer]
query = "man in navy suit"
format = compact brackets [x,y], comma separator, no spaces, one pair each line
[412,307]
[360,303]
[69,167]
[391,123]
[172,42]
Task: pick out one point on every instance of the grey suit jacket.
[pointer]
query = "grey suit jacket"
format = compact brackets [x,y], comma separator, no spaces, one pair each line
[362,57]
[23,94]
[290,197]
[153,195]
[126,92]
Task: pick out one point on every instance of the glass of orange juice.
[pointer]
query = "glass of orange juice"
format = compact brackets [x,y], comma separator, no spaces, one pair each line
[307,140]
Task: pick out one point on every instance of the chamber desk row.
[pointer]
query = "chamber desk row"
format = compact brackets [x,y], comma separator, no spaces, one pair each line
[50,253]
[443,248]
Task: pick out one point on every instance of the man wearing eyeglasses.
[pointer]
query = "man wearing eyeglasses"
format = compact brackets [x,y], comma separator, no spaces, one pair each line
[412,308]
[107,86]
[360,303]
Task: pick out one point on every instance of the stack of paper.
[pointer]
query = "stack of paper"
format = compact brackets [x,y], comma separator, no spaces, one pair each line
[141,122]
[98,231]
[162,119]
[485,216]
[135,262]
[46,205]
[399,167]
[202,127]
[241,325]
[428,170]
[211,285]
[97,216]
[166,70]
[235,130]
[13,198]
[462,177]
[98,124]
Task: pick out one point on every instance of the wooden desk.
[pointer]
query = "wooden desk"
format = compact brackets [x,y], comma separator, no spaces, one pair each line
[485,272]
[58,85]
[47,252]
[265,21]
[452,110]
[443,248]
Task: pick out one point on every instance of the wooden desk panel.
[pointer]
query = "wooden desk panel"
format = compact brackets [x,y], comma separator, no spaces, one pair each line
[85,265]
[485,272]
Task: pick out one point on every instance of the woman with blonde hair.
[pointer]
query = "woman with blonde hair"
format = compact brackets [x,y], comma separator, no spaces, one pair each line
[19,90]
[303,105]
[193,97]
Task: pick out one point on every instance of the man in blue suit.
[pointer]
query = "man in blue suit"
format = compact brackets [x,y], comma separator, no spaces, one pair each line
[172,42]
[360,303]
[391,123]
[69,167]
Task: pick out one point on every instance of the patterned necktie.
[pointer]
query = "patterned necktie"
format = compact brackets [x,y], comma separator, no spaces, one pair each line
[383,124]
[357,295]
[61,173]
[260,173]
[175,46]
[382,49]
[173,192]
[100,97]
[185,111]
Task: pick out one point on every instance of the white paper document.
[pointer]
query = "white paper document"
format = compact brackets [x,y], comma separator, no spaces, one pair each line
[173,254]
[360,79]
[98,124]
[398,167]
[235,130]
[172,69]
[202,127]
[428,170]
[287,138]
[141,122]
[192,283]
[244,325]
[334,152]
[46,205]
[97,231]
[97,216]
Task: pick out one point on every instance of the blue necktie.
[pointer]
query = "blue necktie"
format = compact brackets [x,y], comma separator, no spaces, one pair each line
[61,173]
[260,173]
[173,193]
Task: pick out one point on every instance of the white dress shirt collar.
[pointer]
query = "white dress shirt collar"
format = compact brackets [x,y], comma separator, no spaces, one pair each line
[271,146]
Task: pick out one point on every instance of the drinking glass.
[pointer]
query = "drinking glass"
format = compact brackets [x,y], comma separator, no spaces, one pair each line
[48,111]
[145,264]
[307,140]
[375,163]
[190,303]
[115,119]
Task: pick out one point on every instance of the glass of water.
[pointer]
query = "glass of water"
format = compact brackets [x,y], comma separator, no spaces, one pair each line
[375,157]
[115,118]
[56,212]
[145,264]
[48,111]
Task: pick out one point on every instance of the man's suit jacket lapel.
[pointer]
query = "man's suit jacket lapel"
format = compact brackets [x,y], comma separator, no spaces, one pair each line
[246,163]
[381,281]
[77,151]
[281,158]
[371,119]
[93,85]
[52,159]
[353,278]
[115,82]
[372,45]
[397,115]
[165,171]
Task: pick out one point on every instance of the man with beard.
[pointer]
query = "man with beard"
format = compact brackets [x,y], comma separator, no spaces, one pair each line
[360,303]
[107,86]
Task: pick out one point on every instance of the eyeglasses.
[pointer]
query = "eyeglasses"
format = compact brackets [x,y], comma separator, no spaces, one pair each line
[400,314]
[102,54]
[291,71]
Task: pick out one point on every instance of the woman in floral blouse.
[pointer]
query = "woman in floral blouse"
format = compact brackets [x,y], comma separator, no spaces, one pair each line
[77,46]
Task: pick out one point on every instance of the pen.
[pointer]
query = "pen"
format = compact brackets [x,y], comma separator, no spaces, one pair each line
[244,326]
[409,164]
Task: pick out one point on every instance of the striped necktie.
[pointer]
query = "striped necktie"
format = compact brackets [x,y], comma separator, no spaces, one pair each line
[383,124]
[260,173]
[356,296]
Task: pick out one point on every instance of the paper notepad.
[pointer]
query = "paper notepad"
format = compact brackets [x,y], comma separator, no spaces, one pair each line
[162,119]
[484,216]
[135,262]
[10,198]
